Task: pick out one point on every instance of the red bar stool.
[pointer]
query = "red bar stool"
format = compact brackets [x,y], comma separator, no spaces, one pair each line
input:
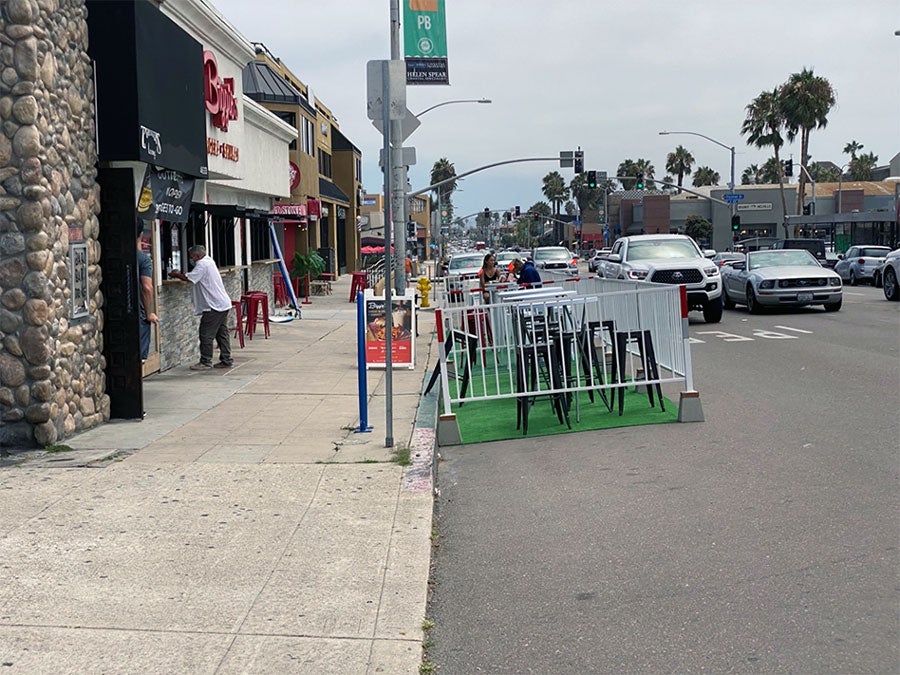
[281,294]
[238,321]
[257,311]
[357,284]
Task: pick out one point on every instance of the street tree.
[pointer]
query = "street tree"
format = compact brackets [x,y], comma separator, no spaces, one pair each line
[770,171]
[442,170]
[555,190]
[679,163]
[585,197]
[751,175]
[862,167]
[806,99]
[824,172]
[763,126]
[698,228]
[852,148]
[704,175]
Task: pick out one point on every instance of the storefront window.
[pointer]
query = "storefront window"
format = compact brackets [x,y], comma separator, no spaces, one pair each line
[177,238]
[260,244]
[222,239]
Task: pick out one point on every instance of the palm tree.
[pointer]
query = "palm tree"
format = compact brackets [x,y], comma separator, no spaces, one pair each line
[806,100]
[861,167]
[770,172]
[852,148]
[705,176]
[824,173]
[679,163]
[763,126]
[442,170]
[555,190]
[585,197]
[751,175]
[627,168]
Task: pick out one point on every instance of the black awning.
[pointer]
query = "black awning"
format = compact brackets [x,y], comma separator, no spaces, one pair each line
[264,85]
[331,192]
[222,210]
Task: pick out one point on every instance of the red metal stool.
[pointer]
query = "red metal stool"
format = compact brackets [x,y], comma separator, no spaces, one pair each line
[238,321]
[281,294]
[257,311]
[358,284]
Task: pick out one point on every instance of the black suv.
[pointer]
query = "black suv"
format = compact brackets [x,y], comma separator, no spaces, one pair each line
[814,246]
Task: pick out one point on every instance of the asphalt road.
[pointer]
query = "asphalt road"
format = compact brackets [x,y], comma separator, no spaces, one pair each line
[762,540]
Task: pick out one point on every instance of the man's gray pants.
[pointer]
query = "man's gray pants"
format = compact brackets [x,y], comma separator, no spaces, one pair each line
[214,325]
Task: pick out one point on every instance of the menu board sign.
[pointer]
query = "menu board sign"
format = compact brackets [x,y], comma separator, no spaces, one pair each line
[401,321]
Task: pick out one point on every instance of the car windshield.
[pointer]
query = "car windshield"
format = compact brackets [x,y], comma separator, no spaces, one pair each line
[506,257]
[545,254]
[874,252]
[466,261]
[662,249]
[784,258]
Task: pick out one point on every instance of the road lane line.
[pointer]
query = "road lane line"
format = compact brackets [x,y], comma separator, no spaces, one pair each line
[796,330]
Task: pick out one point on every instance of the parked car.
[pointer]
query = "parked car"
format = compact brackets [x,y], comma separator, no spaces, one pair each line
[859,263]
[814,246]
[668,259]
[890,275]
[726,258]
[504,258]
[555,258]
[598,256]
[780,278]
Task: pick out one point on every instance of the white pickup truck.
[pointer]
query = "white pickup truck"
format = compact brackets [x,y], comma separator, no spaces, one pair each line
[668,259]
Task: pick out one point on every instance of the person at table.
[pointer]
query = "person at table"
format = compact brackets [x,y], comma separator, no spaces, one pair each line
[488,273]
[514,270]
[529,274]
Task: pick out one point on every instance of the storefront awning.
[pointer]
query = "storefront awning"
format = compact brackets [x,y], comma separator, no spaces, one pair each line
[331,192]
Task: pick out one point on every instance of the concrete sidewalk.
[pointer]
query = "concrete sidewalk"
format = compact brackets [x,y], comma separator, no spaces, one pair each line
[242,526]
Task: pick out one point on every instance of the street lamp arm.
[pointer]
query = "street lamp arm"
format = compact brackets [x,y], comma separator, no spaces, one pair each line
[462,100]
[480,168]
[694,133]
[675,185]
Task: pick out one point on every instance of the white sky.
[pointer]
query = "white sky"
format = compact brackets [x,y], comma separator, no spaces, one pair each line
[607,75]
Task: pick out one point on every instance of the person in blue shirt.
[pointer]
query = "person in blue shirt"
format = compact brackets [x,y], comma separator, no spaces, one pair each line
[529,274]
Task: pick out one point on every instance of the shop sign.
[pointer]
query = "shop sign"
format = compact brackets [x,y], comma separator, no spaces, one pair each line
[401,321]
[289,209]
[312,208]
[219,93]
[224,150]
[294,172]
[758,206]
[78,279]
[165,195]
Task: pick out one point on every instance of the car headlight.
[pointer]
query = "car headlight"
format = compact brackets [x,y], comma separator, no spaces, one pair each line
[711,271]
[834,282]
[637,274]
[768,283]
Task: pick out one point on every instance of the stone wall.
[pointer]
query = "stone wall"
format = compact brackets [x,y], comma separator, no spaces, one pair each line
[51,368]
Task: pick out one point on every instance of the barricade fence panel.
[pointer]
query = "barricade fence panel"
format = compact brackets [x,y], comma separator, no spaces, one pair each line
[577,335]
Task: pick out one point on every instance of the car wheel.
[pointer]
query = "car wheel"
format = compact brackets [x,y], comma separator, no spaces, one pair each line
[853,280]
[890,286]
[727,302]
[876,280]
[833,306]
[712,310]
[752,303]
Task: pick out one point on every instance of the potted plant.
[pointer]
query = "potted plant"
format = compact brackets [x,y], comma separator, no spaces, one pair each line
[307,266]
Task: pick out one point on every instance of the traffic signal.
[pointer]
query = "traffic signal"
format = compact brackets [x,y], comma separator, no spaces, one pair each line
[518,212]
[639,183]
[789,167]
[735,222]
[410,230]
[507,216]
[806,209]
[579,161]
[592,179]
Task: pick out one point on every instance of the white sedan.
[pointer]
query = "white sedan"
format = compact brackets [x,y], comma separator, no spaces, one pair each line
[783,278]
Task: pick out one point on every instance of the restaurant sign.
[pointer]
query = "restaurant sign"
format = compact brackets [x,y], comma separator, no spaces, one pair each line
[400,321]
[218,93]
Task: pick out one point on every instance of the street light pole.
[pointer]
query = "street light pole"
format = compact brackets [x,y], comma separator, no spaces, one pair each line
[730,148]
[461,100]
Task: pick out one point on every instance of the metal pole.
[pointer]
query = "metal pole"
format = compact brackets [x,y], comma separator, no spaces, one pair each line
[388,262]
[398,169]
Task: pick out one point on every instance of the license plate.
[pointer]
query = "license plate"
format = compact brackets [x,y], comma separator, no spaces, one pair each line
[804,297]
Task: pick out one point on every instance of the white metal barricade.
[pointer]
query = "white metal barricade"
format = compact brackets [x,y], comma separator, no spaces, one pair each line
[581,335]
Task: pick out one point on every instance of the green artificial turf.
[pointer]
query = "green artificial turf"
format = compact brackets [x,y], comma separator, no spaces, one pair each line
[495,420]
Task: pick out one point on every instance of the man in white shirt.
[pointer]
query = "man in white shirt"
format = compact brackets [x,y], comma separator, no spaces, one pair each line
[212,303]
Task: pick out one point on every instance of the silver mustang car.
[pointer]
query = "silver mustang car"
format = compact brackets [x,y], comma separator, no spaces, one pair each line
[782,278]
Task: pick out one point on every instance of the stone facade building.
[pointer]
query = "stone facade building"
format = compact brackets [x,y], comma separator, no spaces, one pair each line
[51,309]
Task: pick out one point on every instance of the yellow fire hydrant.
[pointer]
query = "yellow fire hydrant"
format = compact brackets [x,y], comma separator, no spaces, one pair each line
[424,287]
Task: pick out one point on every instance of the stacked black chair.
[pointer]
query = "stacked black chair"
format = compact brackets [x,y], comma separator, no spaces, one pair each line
[644,342]
[538,351]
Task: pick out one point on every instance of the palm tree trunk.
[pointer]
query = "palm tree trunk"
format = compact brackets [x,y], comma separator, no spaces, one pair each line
[801,190]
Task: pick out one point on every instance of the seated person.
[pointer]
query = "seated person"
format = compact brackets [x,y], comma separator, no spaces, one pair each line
[529,274]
